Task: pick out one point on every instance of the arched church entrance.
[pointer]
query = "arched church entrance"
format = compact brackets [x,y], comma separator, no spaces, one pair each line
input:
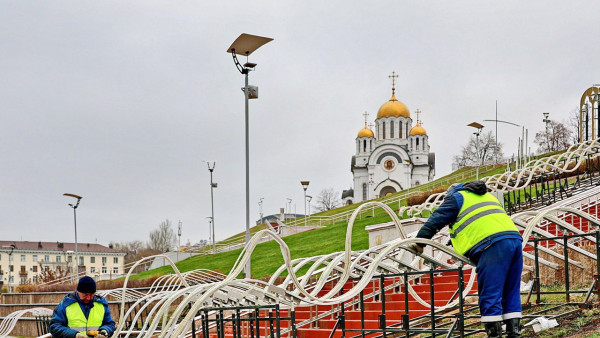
[386,190]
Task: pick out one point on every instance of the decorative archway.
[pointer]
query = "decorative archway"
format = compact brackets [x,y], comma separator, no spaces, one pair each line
[386,190]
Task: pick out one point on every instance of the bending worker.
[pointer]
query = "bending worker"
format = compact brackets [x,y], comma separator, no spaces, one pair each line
[81,312]
[481,230]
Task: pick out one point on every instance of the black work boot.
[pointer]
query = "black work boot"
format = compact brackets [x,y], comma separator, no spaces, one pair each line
[513,327]
[493,329]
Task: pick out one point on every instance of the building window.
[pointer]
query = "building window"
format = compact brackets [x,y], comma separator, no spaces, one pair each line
[365,145]
[34,279]
[115,270]
[116,260]
[23,279]
[103,260]
[417,143]
[81,260]
[22,258]
[383,128]
[92,259]
[11,279]
[57,259]
[11,268]
[35,258]
[407,129]
[46,258]
[364,191]
[103,269]
[70,259]
[34,268]
[10,258]
[23,269]
[400,129]
[392,130]
[93,269]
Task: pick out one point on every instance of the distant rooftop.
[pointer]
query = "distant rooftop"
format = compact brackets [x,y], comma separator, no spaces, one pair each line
[55,246]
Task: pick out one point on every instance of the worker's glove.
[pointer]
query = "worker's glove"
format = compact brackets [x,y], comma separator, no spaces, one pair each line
[102,334]
[416,248]
[80,335]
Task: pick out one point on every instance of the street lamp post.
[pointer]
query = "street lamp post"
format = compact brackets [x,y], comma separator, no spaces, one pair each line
[211,168]
[210,227]
[74,206]
[289,208]
[179,235]
[260,209]
[246,44]
[305,186]
[10,260]
[477,126]
[546,120]
[309,198]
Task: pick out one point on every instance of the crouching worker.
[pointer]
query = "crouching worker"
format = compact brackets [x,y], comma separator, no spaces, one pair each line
[481,230]
[81,312]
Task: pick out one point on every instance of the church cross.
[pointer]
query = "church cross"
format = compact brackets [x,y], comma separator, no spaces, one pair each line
[418,112]
[366,115]
[393,77]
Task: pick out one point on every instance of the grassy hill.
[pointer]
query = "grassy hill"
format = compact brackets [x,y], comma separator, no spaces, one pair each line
[267,257]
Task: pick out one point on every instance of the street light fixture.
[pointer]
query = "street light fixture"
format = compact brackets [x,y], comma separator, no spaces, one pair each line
[12,248]
[246,44]
[477,126]
[74,206]
[211,168]
[260,204]
[546,120]
[305,186]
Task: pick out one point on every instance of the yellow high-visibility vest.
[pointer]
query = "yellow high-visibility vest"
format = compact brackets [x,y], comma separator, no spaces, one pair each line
[76,319]
[480,217]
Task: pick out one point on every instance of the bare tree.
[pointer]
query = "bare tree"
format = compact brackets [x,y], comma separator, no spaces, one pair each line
[489,151]
[556,136]
[134,250]
[573,125]
[163,238]
[327,199]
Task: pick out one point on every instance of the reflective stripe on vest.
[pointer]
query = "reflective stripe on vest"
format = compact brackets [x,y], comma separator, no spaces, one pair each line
[76,319]
[480,217]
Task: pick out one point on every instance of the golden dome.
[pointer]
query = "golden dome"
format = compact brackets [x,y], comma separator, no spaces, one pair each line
[393,108]
[417,130]
[366,132]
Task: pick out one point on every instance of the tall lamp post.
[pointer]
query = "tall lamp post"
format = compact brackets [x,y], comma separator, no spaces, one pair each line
[211,168]
[246,44]
[305,186]
[210,227]
[260,209]
[74,206]
[309,198]
[12,248]
[546,120]
[179,235]
[477,126]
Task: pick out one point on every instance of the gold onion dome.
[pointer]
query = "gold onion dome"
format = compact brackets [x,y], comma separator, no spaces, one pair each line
[366,132]
[393,108]
[417,130]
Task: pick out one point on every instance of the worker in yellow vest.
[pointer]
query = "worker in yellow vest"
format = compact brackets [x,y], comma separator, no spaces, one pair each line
[481,230]
[82,311]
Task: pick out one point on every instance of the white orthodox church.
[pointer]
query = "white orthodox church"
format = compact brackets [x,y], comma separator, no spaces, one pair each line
[394,157]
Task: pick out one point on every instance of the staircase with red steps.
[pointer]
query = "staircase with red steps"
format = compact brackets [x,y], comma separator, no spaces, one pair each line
[445,287]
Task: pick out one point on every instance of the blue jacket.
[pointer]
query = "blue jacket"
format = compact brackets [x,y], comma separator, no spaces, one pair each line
[448,211]
[58,323]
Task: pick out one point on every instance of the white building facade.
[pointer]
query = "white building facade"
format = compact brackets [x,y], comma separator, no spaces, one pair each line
[22,262]
[394,157]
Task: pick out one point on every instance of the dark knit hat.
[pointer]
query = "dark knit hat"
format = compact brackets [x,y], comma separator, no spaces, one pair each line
[86,285]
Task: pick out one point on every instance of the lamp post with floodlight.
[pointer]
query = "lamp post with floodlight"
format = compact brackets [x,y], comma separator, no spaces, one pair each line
[477,126]
[305,186]
[74,206]
[213,185]
[246,44]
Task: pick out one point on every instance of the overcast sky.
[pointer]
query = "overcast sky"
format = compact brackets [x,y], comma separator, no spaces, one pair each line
[121,101]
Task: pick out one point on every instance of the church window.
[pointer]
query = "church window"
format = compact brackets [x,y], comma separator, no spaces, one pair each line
[400,129]
[392,130]
[364,191]
[365,145]
[371,146]
[407,129]
[417,143]
[383,128]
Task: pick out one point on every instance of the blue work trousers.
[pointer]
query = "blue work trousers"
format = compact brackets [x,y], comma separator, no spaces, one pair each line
[499,270]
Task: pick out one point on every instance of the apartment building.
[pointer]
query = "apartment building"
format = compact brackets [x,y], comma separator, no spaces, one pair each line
[22,262]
